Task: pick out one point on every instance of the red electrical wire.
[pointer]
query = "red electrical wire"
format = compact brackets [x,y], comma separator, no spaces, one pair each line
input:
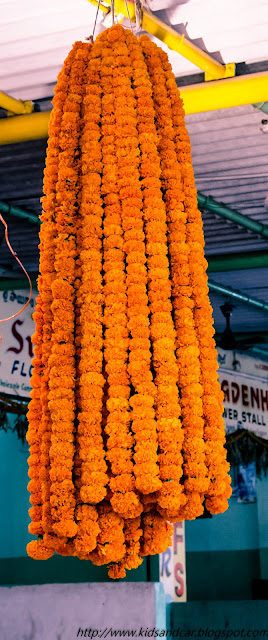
[21,265]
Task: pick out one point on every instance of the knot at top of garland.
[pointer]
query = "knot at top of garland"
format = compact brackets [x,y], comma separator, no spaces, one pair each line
[125,422]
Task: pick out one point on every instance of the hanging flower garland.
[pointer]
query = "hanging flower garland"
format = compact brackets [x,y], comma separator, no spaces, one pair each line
[120,440]
[125,422]
[218,489]
[187,348]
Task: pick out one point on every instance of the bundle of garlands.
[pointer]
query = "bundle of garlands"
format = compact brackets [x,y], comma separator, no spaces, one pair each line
[125,422]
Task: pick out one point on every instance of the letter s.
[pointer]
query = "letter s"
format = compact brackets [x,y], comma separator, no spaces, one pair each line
[17,336]
[179,569]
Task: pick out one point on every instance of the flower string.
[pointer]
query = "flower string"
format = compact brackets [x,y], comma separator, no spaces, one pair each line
[62,362]
[130,195]
[157,534]
[119,437]
[43,314]
[34,415]
[162,331]
[195,472]
[214,435]
[132,559]
[111,540]
[93,479]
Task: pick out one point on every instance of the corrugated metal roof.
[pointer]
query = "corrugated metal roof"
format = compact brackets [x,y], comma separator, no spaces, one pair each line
[36,37]
[230,158]
[230,31]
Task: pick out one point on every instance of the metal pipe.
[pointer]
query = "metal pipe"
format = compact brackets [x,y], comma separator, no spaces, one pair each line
[22,128]
[223,94]
[237,295]
[260,352]
[237,261]
[221,209]
[10,284]
[15,106]
[176,42]
[260,337]
[18,213]
[101,6]
[198,97]
[263,106]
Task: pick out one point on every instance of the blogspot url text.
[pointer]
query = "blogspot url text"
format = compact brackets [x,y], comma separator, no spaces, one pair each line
[215,634]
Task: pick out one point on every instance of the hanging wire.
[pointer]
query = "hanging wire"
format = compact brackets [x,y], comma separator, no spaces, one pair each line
[21,265]
[138,14]
[91,38]
[112,8]
[128,15]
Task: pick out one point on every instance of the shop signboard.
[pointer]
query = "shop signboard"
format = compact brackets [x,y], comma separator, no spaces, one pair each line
[16,349]
[244,381]
[172,566]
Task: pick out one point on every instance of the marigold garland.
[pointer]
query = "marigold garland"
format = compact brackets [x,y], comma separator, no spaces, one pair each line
[125,420]
[120,439]
[189,377]
[219,486]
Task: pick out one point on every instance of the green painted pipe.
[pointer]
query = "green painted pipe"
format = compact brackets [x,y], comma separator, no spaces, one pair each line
[237,261]
[263,106]
[257,336]
[11,284]
[260,352]
[18,213]
[203,201]
[8,284]
[221,209]
[237,295]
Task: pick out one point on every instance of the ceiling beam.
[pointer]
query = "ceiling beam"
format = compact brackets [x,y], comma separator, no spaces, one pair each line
[260,352]
[33,126]
[206,96]
[221,209]
[9,283]
[13,106]
[213,69]
[237,261]
[227,292]
[18,213]
[247,336]
[216,263]
[204,202]
[223,94]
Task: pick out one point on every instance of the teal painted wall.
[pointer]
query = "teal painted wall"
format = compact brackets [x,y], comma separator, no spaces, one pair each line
[223,554]
[237,528]
[219,619]
[14,497]
[15,566]
[262,492]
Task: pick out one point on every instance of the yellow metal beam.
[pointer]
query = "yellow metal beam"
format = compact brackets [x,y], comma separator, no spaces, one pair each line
[22,128]
[221,94]
[14,106]
[101,7]
[154,26]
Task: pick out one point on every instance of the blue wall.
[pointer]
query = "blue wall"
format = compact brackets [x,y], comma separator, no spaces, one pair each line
[226,553]
[14,497]
[236,529]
